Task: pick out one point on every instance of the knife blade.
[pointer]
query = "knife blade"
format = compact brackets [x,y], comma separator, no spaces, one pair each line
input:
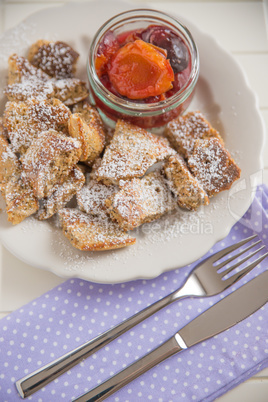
[231,310]
[223,315]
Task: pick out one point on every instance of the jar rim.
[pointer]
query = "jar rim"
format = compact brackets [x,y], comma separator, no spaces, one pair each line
[129,106]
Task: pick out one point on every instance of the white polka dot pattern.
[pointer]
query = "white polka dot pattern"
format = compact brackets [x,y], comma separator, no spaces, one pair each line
[78,310]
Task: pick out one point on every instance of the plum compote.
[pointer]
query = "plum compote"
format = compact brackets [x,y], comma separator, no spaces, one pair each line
[143,65]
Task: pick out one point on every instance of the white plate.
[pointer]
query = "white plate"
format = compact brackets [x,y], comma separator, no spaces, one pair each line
[222,95]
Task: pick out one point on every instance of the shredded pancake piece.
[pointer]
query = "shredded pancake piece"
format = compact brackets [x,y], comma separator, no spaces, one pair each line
[189,192]
[3,129]
[28,82]
[92,233]
[92,197]
[89,131]
[20,200]
[25,120]
[20,69]
[48,161]
[185,130]
[56,59]
[141,200]
[131,152]
[9,164]
[213,166]
[62,194]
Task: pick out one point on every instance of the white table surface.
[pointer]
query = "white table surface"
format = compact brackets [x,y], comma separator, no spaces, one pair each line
[241,27]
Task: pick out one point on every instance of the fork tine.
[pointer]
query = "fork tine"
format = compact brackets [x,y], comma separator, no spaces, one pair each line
[239,263]
[228,260]
[234,278]
[218,255]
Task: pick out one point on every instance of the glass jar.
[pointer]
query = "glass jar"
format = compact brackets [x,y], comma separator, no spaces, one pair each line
[146,115]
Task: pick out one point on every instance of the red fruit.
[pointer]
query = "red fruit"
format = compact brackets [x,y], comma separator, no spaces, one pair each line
[163,37]
[108,46]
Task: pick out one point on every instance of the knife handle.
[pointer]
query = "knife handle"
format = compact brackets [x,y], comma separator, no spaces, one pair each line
[113,384]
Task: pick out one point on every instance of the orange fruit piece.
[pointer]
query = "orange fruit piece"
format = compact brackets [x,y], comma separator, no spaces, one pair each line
[139,70]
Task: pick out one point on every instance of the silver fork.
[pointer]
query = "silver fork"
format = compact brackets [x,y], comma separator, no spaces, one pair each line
[206,279]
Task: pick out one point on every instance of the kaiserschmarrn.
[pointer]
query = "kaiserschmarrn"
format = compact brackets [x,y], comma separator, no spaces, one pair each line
[58,159]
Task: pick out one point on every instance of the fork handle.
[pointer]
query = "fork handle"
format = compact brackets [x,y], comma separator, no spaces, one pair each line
[113,384]
[31,383]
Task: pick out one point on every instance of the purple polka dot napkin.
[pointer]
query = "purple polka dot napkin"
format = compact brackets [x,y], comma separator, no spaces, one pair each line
[77,311]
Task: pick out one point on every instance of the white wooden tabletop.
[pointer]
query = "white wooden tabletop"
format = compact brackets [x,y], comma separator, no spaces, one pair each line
[241,27]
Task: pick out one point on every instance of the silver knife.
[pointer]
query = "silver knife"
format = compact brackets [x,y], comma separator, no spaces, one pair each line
[223,315]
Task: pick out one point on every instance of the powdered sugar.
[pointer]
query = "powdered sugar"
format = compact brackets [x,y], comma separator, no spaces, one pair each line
[212,165]
[68,90]
[30,88]
[49,160]
[92,233]
[130,153]
[183,131]
[28,82]
[183,184]
[55,58]
[91,198]
[17,39]
[141,200]
[25,121]
[62,194]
